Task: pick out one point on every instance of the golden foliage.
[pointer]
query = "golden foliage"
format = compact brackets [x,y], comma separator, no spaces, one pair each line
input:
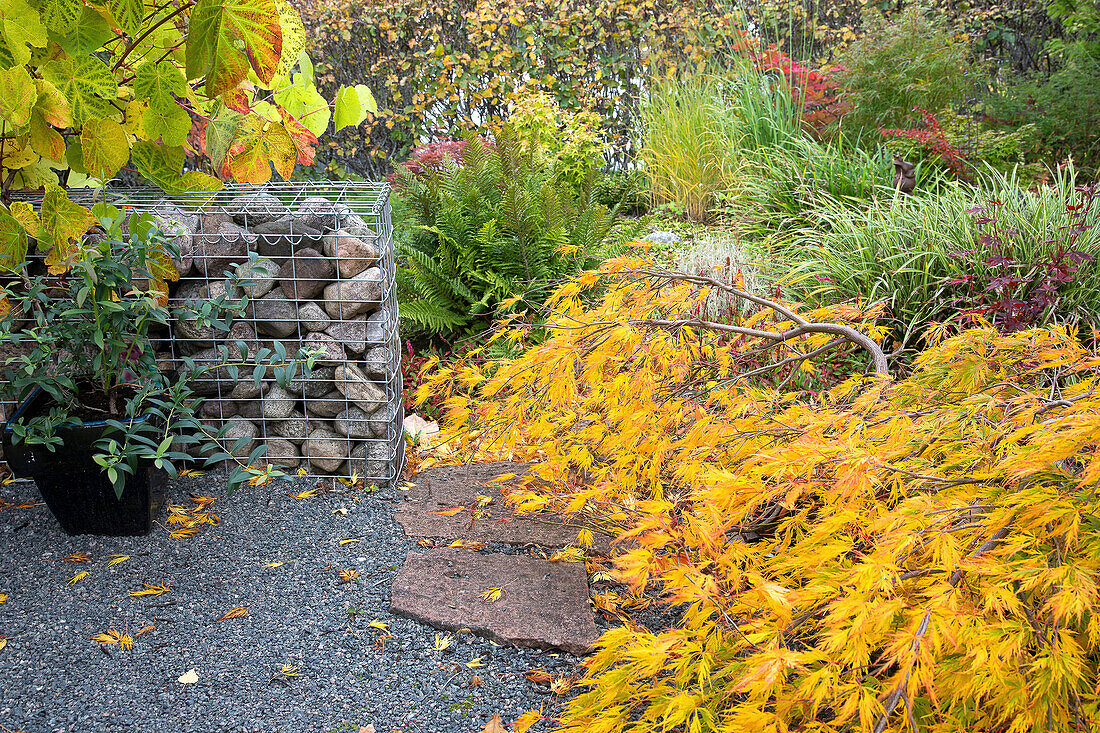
[890,554]
[237,612]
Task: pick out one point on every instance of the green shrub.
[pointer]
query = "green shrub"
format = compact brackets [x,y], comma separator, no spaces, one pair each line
[569,143]
[495,227]
[626,189]
[971,251]
[899,67]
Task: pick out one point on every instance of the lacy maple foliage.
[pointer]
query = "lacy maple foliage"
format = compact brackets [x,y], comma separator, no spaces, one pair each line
[917,553]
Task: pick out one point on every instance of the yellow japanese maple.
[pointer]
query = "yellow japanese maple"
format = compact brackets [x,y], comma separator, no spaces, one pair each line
[916,553]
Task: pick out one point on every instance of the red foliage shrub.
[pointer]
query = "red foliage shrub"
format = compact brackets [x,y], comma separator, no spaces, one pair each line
[815,93]
[932,141]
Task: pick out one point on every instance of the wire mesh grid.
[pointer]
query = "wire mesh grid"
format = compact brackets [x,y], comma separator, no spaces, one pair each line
[317,261]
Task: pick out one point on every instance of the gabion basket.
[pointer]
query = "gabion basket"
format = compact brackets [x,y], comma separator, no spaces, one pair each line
[324,280]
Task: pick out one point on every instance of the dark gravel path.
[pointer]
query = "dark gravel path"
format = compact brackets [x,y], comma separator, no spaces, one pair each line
[53,677]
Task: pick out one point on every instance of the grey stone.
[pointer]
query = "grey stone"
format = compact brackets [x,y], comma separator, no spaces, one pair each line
[241,332]
[239,427]
[278,404]
[295,428]
[330,350]
[219,251]
[376,361]
[327,450]
[260,207]
[320,213]
[360,332]
[217,409]
[666,238]
[313,317]
[257,279]
[317,384]
[287,225]
[328,406]
[168,210]
[246,389]
[210,221]
[306,274]
[544,605]
[380,421]
[180,231]
[357,387]
[274,314]
[439,488]
[354,423]
[283,453]
[373,459]
[347,299]
[250,409]
[352,254]
[354,224]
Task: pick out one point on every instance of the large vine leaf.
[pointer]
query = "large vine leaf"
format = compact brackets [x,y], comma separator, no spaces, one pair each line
[13,242]
[105,148]
[216,29]
[53,105]
[302,100]
[87,84]
[88,35]
[128,14]
[303,137]
[171,124]
[22,29]
[260,144]
[218,137]
[158,83]
[17,95]
[352,106]
[61,16]
[44,139]
[294,38]
[163,167]
[62,225]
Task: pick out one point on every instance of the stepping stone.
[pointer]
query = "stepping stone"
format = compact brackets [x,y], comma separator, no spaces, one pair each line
[544,605]
[439,489]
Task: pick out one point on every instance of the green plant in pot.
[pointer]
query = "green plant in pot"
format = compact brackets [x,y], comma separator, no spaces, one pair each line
[100,421]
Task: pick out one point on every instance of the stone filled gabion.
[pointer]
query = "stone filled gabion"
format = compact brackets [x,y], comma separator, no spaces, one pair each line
[321,277]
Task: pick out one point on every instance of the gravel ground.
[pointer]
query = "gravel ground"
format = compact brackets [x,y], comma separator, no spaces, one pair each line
[53,677]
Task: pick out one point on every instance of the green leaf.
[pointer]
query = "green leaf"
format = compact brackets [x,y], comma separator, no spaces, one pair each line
[61,16]
[21,27]
[88,35]
[294,39]
[87,84]
[220,132]
[307,106]
[353,104]
[216,29]
[63,223]
[13,242]
[128,13]
[157,83]
[171,124]
[105,148]
[17,95]
[259,144]
[44,139]
[163,167]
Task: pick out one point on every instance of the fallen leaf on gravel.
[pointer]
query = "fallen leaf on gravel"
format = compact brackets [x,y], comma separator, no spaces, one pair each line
[234,613]
[539,676]
[204,501]
[425,543]
[3,642]
[469,545]
[340,512]
[189,677]
[151,590]
[274,564]
[348,575]
[3,597]
[182,532]
[116,559]
[78,557]
[568,554]
[145,630]
[502,477]
[78,577]
[379,625]
[307,494]
[366,728]
[561,685]
[28,505]
[475,662]
[443,641]
[188,472]
[475,681]
[492,595]
[124,640]
[450,512]
[495,725]
[349,540]
[303,472]
[525,721]
[350,480]
[483,500]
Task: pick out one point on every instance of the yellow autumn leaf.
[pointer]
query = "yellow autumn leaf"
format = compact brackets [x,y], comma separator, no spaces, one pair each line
[3,642]
[451,511]
[190,472]
[189,677]
[150,590]
[78,577]
[78,557]
[234,613]
[348,575]
[491,595]
[567,554]
[379,625]
[289,670]
[3,597]
[116,559]
[475,662]
[483,500]
[348,540]
[524,722]
[307,494]
[274,565]
[442,642]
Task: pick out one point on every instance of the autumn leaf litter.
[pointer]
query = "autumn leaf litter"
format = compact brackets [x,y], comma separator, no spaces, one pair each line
[266,620]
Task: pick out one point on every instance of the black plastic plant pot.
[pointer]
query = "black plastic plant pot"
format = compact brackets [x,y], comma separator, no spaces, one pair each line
[74,486]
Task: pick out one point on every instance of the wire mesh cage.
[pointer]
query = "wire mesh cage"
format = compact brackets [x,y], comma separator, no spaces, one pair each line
[317,263]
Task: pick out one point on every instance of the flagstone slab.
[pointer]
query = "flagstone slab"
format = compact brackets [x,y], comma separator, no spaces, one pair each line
[542,604]
[442,488]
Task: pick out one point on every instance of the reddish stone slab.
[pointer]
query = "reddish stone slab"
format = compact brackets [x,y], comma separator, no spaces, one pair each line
[543,605]
[438,489]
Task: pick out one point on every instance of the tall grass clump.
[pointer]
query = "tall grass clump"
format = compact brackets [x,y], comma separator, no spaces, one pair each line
[990,252]
[687,140]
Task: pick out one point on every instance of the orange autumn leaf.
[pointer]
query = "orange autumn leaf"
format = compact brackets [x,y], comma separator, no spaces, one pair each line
[450,512]
[234,613]
[150,590]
